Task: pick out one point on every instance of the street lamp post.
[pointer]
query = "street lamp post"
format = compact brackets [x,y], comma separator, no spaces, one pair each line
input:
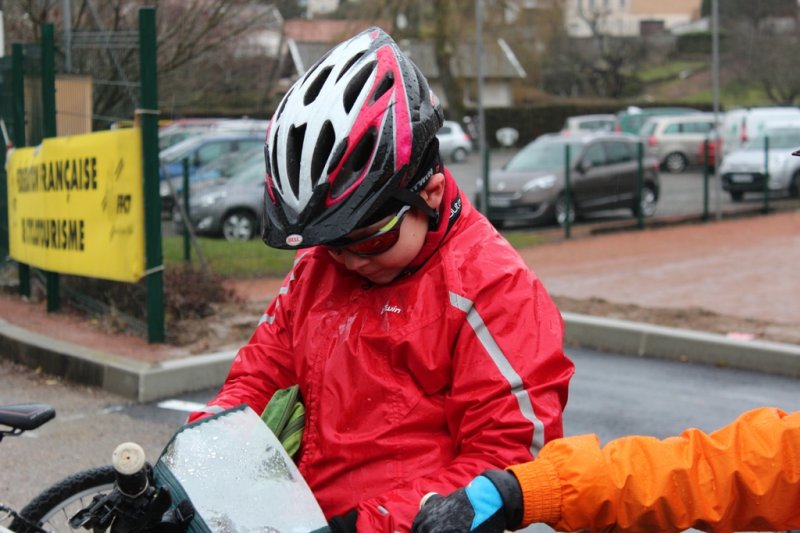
[484,192]
[715,90]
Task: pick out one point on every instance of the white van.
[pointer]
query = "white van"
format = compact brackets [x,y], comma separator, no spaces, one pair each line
[741,124]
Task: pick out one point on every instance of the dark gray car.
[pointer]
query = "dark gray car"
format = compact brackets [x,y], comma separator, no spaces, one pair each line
[231,208]
[604,170]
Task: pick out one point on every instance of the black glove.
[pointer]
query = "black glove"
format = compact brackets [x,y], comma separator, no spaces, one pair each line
[345,523]
[491,503]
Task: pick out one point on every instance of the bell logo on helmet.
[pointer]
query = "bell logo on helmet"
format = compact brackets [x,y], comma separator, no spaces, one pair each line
[294,239]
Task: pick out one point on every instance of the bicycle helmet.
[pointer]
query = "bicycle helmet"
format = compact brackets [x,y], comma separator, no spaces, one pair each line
[347,140]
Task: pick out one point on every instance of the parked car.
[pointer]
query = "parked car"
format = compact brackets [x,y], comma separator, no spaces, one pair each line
[199,151]
[743,170]
[631,119]
[584,123]
[231,208]
[673,139]
[454,143]
[604,170]
[225,166]
[742,124]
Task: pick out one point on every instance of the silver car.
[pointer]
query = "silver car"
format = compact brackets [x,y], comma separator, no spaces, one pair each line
[231,208]
[674,139]
[604,169]
[454,143]
[743,170]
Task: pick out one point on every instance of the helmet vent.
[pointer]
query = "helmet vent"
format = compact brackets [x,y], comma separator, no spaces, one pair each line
[386,83]
[313,90]
[349,64]
[294,150]
[355,164]
[355,86]
[337,156]
[322,150]
[272,166]
[282,105]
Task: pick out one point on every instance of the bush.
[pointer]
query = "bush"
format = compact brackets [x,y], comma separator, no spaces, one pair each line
[188,293]
[191,292]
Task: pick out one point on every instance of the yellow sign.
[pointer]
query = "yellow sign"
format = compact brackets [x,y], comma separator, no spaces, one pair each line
[76,205]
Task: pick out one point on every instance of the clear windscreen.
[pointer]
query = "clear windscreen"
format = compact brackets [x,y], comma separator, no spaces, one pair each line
[238,476]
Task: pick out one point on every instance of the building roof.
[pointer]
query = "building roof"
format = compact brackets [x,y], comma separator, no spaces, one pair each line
[324,30]
[500,61]
[690,8]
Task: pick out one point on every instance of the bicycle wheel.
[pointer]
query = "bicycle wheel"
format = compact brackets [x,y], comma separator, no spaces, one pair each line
[53,508]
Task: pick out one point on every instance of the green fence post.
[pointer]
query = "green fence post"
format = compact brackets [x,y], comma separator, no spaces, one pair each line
[765,209]
[152,201]
[187,248]
[640,184]
[485,174]
[18,91]
[3,206]
[567,193]
[705,179]
[49,130]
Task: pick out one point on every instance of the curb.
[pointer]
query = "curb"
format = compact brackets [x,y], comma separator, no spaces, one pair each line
[646,340]
[145,382]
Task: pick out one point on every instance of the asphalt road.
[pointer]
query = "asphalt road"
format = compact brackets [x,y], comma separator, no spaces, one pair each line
[612,395]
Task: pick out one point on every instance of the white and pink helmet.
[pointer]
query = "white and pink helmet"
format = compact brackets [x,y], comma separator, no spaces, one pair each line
[346,139]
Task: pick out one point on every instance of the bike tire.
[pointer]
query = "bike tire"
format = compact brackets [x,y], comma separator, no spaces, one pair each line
[53,508]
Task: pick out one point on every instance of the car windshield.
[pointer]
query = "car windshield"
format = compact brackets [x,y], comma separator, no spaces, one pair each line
[181,150]
[543,156]
[647,129]
[781,139]
[230,164]
[250,173]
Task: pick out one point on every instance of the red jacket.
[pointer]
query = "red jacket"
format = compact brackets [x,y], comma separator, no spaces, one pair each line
[414,386]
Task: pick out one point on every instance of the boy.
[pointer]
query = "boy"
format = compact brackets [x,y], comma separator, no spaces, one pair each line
[425,349]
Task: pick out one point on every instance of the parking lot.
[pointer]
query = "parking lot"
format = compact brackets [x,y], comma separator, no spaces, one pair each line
[682,194]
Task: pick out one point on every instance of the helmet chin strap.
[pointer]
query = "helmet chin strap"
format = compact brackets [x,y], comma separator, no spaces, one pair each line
[415,200]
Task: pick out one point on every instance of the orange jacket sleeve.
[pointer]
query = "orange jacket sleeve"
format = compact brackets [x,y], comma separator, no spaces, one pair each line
[745,476]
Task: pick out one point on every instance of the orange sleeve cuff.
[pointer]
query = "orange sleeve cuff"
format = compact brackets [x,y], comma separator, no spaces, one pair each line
[541,491]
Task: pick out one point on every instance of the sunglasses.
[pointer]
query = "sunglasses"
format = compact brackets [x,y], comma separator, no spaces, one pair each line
[377,243]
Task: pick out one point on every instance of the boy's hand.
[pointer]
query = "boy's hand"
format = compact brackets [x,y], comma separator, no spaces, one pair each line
[476,508]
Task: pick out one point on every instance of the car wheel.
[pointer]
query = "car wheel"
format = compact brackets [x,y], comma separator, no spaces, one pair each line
[675,162]
[737,196]
[459,155]
[239,226]
[647,202]
[561,208]
[794,185]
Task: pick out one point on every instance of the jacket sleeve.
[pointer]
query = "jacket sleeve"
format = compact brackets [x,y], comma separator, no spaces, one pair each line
[742,477]
[507,393]
[263,365]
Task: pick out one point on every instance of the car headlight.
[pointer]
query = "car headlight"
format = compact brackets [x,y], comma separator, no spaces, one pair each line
[540,184]
[210,199]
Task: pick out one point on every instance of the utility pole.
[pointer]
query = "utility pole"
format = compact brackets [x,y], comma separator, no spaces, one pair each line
[481,115]
[2,32]
[715,90]
[66,15]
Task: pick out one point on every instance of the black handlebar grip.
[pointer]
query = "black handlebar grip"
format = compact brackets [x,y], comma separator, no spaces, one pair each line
[129,462]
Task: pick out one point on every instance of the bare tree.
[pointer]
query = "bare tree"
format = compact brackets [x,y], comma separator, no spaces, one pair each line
[198,40]
[604,68]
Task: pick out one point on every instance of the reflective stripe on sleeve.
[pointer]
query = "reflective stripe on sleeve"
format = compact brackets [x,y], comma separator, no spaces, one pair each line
[503,365]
